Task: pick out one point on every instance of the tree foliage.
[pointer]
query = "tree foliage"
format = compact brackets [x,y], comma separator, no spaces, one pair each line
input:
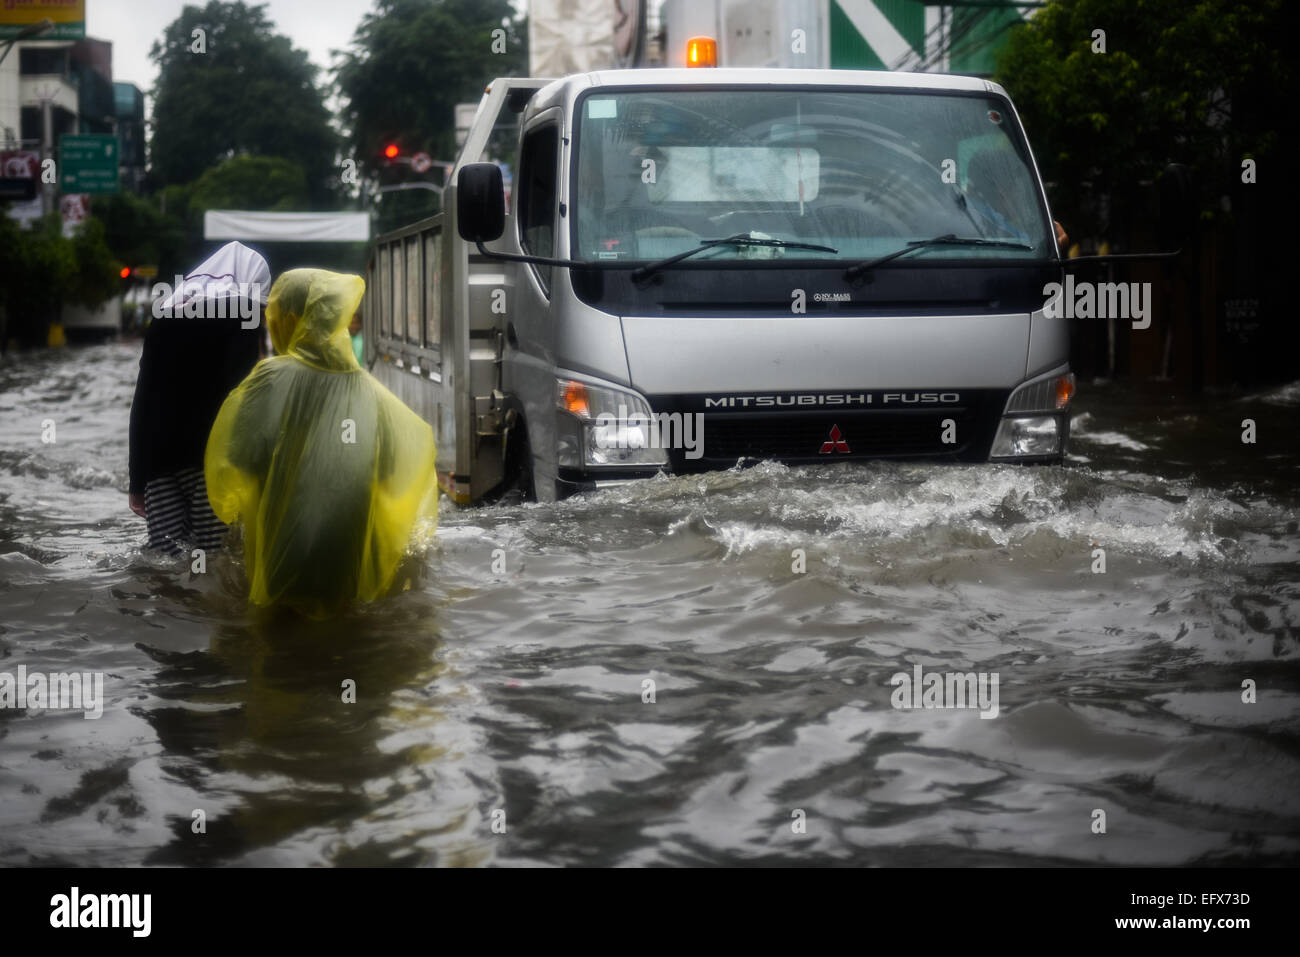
[96,278]
[39,270]
[411,62]
[134,228]
[251,182]
[250,92]
[1203,83]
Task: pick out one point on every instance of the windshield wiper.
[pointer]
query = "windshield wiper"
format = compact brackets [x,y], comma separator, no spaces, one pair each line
[740,239]
[960,199]
[853,272]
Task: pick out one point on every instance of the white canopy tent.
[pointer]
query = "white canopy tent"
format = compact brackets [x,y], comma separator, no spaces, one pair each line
[286,227]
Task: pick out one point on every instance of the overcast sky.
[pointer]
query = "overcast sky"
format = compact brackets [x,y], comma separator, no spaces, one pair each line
[132,26]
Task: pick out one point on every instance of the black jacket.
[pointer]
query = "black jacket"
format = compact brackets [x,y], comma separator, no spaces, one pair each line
[187,368]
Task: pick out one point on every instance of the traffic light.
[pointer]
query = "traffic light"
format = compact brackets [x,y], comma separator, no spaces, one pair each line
[391,151]
[126,272]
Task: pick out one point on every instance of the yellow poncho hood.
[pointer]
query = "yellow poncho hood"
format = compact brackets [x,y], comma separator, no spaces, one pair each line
[308,313]
[327,470]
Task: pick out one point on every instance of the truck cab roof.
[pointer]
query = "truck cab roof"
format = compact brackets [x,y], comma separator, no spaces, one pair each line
[560,91]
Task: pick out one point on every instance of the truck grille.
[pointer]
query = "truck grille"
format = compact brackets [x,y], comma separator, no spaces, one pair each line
[846,434]
[860,435]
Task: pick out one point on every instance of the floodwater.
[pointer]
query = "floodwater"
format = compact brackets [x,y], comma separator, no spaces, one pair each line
[502,714]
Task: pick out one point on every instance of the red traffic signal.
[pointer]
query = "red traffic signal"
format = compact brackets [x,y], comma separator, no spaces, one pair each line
[391,151]
[126,272]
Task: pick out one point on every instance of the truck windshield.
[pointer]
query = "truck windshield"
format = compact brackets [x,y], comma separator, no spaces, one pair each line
[864,172]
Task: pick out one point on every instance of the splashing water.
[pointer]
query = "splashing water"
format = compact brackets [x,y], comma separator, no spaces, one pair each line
[769,608]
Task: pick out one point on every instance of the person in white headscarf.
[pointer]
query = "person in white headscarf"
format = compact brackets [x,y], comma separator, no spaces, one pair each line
[204,338]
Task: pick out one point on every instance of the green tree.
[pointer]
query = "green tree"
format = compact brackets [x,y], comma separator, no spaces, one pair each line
[1204,83]
[134,228]
[410,63]
[96,276]
[38,266]
[251,182]
[182,236]
[249,92]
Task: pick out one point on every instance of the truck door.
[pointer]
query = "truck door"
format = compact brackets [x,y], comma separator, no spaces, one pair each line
[529,368]
[484,303]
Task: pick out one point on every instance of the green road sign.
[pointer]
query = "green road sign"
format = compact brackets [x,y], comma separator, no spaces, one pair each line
[88,163]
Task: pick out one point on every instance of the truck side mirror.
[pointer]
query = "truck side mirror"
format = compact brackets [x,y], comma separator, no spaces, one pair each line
[480,203]
[1175,207]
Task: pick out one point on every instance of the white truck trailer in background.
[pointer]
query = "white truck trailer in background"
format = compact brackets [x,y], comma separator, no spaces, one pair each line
[844,34]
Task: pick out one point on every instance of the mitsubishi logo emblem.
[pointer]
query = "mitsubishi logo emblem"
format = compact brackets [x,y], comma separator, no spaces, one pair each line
[836,442]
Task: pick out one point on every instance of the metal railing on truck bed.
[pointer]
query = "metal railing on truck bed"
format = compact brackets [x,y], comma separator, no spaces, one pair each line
[433,326]
[435,342]
[403,327]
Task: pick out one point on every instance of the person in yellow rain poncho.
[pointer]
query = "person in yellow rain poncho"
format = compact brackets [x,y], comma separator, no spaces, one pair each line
[326,469]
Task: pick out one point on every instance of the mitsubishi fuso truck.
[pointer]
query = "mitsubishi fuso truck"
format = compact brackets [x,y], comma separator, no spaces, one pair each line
[691,269]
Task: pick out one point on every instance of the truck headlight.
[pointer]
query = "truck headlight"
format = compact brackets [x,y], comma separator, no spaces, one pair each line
[1038,435]
[1027,436]
[603,427]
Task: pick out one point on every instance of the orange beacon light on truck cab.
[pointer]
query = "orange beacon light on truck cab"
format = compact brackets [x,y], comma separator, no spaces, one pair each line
[701,51]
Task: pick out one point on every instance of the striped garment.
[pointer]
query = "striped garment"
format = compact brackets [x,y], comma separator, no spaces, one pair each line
[178,513]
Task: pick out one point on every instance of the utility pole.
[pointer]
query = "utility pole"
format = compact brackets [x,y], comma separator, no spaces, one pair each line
[28,33]
[47,149]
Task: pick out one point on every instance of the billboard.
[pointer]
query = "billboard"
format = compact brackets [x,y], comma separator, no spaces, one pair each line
[69,17]
[22,164]
[74,208]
